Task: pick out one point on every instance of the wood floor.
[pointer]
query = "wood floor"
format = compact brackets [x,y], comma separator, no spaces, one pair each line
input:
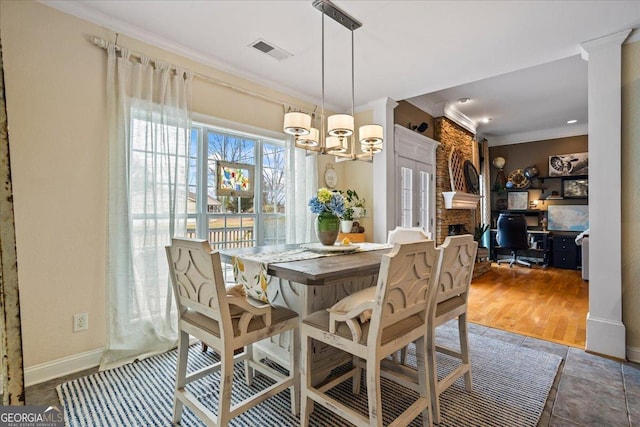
[546,303]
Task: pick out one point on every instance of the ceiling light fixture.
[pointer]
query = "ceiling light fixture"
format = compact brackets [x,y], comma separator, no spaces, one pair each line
[570,122]
[486,120]
[340,127]
[464,100]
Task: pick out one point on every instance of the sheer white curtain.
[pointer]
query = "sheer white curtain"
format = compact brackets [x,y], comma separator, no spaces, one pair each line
[302,184]
[149,119]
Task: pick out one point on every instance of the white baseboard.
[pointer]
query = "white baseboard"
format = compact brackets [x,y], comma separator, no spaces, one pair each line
[633,354]
[606,337]
[57,368]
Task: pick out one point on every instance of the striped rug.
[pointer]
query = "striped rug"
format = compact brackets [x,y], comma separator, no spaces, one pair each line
[510,388]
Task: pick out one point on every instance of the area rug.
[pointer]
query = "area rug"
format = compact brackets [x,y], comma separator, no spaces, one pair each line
[510,388]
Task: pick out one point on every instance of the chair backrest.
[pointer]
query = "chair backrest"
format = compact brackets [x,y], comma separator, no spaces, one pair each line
[197,279]
[407,235]
[512,231]
[456,272]
[405,284]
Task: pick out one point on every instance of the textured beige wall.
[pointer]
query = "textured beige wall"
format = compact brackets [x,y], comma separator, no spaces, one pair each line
[630,193]
[55,81]
[57,135]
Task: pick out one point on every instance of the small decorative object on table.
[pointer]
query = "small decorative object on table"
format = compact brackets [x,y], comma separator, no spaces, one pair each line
[329,206]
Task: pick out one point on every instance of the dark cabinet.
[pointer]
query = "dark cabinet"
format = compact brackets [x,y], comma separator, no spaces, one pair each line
[565,251]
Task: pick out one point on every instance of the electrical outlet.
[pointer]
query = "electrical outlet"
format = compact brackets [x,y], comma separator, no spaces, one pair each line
[80,322]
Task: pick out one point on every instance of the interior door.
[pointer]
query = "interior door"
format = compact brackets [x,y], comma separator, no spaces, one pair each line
[415,195]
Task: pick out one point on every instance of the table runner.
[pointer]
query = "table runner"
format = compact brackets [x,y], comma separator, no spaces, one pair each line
[251,270]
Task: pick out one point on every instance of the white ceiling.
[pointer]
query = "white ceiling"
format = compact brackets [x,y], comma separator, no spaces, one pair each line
[518,61]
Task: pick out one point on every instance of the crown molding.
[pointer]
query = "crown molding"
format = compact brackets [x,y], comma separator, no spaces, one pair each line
[452,113]
[538,135]
[612,39]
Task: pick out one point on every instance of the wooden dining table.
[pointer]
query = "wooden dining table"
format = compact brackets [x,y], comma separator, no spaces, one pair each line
[306,286]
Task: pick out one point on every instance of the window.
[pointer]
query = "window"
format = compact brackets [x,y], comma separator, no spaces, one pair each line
[230,221]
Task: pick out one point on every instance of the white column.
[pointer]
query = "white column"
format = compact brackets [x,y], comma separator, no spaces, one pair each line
[605,330]
[384,172]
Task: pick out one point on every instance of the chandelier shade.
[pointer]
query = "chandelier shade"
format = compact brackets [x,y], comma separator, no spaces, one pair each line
[340,125]
[371,134]
[337,137]
[335,145]
[296,123]
[312,139]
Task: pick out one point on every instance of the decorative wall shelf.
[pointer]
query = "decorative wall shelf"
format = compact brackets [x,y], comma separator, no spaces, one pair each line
[460,200]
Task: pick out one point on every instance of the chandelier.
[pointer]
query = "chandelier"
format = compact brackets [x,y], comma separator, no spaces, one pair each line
[339,138]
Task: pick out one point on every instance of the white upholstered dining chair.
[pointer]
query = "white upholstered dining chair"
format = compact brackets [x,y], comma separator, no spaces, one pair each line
[407,235]
[372,324]
[225,323]
[458,255]
[456,272]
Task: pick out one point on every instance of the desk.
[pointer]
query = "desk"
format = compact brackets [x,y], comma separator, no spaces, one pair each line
[310,285]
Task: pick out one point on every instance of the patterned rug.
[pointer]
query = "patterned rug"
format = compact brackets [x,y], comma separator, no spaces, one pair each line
[510,388]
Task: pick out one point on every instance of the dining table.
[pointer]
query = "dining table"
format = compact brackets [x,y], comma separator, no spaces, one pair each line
[315,282]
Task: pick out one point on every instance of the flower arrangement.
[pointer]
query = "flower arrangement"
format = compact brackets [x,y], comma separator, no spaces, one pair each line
[327,201]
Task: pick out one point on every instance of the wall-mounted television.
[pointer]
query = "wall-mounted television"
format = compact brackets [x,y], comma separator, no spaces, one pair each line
[235,179]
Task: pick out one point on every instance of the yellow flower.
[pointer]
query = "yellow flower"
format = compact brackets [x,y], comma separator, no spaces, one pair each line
[324,195]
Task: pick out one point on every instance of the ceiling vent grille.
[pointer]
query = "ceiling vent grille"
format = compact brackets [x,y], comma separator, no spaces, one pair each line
[270,49]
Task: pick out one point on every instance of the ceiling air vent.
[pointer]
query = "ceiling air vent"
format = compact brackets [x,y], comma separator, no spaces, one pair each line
[270,49]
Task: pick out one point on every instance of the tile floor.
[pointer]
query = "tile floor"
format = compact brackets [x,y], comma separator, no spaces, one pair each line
[588,391]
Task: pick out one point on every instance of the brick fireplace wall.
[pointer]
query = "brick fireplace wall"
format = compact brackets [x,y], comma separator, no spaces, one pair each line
[450,135]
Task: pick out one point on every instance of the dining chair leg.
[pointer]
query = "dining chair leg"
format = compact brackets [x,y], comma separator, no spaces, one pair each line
[306,404]
[181,374]
[226,384]
[464,349]
[249,372]
[357,375]
[433,375]
[294,372]
[373,392]
[423,381]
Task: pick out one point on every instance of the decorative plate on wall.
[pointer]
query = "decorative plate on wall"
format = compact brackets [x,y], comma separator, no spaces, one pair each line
[330,178]
[518,178]
[471,177]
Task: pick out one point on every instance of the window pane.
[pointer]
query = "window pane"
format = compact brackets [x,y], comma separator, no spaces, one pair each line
[273,178]
[274,229]
[406,197]
[235,221]
[424,200]
[231,231]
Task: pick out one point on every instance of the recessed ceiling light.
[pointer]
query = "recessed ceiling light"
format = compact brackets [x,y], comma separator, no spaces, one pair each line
[570,122]
[486,120]
[463,100]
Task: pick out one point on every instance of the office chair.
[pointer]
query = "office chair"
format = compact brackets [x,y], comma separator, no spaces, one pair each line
[512,234]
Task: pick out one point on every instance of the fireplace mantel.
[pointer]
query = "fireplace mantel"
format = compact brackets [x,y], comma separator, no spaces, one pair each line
[460,200]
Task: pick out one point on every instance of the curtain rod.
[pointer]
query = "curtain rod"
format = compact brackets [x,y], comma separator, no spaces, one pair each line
[102,43]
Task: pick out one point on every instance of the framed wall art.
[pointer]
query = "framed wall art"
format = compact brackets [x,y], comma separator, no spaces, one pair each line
[517,200]
[234,179]
[575,188]
[569,164]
